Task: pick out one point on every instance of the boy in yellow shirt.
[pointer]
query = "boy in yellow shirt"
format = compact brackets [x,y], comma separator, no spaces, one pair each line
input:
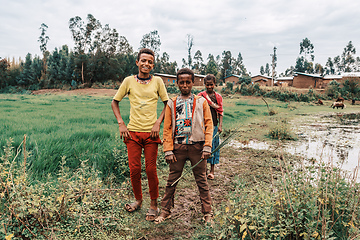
[143,129]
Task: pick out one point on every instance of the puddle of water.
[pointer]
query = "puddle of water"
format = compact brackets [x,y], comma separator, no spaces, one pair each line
[333,138]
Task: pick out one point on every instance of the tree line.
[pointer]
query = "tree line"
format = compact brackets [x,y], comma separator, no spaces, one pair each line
[346,62]
[101,55]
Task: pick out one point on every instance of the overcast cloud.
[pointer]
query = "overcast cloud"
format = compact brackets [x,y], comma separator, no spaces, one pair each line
[251,27]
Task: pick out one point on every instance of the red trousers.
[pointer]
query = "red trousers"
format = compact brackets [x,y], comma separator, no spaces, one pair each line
[139,141]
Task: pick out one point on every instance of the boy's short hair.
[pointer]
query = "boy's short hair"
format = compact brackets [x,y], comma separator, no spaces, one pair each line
[210,77]
[147,51]
[185,71]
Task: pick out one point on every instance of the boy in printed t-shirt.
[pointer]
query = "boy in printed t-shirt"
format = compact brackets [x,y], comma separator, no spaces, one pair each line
[188,129]
[143,129]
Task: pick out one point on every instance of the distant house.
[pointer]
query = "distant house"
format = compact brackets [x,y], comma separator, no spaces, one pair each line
[199,80]
[284,81]
[168,79]
[352,76]
[232,78]
[328,78]
[304,80]
[262,80]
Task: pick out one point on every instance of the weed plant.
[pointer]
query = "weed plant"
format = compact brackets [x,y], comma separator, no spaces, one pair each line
[281,130]
[73,205]
[307,201]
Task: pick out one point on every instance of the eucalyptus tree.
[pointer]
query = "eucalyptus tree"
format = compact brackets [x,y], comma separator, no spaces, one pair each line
[83,36]
[262,70]
[238,66]
[304,63]
[267,69]
[348,59]
[339,67]
[189,44]
[273,65]
[330,66]
[211,66]
[4,68]
[307,48]
[288,72]
[357,64]
[43,39]
[199,66]
[152,41]
[319,69]
[164,65]
[226,64]
[27,75]
[124,46]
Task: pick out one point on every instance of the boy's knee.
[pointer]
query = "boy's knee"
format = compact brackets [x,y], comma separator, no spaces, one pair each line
[135,171]
[151,172]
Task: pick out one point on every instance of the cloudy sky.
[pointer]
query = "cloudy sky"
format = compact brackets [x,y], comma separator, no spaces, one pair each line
[251,27]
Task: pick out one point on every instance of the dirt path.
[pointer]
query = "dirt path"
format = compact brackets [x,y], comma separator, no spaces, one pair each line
[186,215]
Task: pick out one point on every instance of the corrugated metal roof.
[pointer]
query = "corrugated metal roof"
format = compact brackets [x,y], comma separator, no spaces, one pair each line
[284,78]
[310,75]
[351,74]
[164,75]
[268,77]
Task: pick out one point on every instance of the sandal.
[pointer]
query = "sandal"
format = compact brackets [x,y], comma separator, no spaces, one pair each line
[151,214]
[132,207]
[160,218]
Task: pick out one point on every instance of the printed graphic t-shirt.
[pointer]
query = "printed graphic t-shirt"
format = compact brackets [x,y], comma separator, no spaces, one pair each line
[183,120]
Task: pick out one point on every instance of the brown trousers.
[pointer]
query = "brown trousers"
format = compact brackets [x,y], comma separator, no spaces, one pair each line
[192,152]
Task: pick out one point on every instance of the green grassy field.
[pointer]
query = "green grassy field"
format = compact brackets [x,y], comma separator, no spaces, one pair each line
[77,127]
[84,127]
[70,202]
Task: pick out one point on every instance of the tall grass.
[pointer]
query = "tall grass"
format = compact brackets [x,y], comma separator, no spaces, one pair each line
[77,127]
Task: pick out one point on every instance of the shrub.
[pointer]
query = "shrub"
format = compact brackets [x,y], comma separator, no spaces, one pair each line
[307,201]
[281,131]
[229,85]
[73,205]
[172,88]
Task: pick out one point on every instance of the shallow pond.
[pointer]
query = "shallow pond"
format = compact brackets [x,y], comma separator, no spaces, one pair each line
[331,137]
[334,137]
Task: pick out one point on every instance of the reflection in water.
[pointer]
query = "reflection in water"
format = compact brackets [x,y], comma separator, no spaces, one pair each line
[333,138]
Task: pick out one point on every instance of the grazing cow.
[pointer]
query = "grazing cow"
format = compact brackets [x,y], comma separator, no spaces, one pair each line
[320,102]
[340,99]
[338,105]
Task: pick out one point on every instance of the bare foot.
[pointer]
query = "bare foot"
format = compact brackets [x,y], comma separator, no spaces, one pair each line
[211,176]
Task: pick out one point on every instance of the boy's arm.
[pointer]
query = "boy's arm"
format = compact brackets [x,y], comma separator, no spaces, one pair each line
[124,132]
[155,131]
[209,128]
[220,123]
[167,132]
